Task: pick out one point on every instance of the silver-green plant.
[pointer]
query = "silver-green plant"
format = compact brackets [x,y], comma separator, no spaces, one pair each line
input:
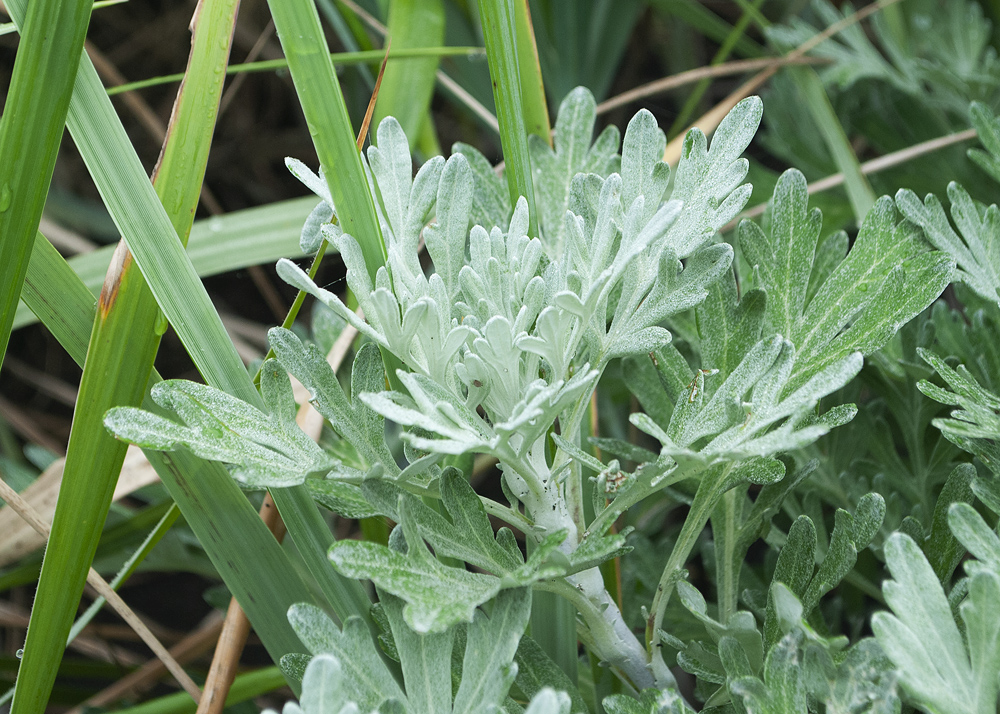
[498,350]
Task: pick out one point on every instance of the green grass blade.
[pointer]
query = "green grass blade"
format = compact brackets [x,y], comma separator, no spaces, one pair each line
[706,22]
[119,361]
[407,87]
[535,108]
[112,375]
[31,127]
[313,539]
[354,24]
[322,103]
[338,58]
[345,31]
[245,687]
[329,125]
[7,28]
[67,313]
[859,191]
[254,236]
[151,237]
[499,31]
[252,564]
[129,567]
[553,627]
[723,53]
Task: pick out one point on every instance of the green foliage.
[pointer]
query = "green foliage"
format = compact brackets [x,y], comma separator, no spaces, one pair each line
[798,439]
[979,417]
[977,252]
[905,76]
[945,68]
[744,360]
[345,669]
[942,670]
[266,449]
[861,299]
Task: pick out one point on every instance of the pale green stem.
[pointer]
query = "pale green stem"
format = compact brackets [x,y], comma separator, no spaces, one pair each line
[508,515]
[614,641]
[570,429]
[709,490]
[621,650]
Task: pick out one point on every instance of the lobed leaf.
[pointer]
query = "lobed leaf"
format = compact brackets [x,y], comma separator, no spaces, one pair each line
[264,449]
[436,596]
[862,300]
[370,682]
[976,251]
[923,641]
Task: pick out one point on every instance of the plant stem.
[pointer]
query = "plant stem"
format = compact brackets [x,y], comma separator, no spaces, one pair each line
[626,500]
[338,59]
[709,490]
[613,642]
[293,311]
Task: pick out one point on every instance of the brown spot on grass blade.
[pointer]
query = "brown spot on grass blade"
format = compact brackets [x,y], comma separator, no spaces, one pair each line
[120,262]
[363,132]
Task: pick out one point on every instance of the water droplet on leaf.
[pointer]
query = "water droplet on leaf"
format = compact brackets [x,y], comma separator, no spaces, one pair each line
[5,196]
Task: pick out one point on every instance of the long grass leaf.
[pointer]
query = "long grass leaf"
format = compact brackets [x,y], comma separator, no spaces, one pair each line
[345,29]
[451,87]
[499,31]
[329,125]
[245,554]
[859,191]
[31,127]
[129,567]
[721,55]
[30,130]
[68,313]
[535,108]
[7,28]
[695,14]
[120,356]
[254,236]
[113,374]
[408,86]
[553,627]
[246,687]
